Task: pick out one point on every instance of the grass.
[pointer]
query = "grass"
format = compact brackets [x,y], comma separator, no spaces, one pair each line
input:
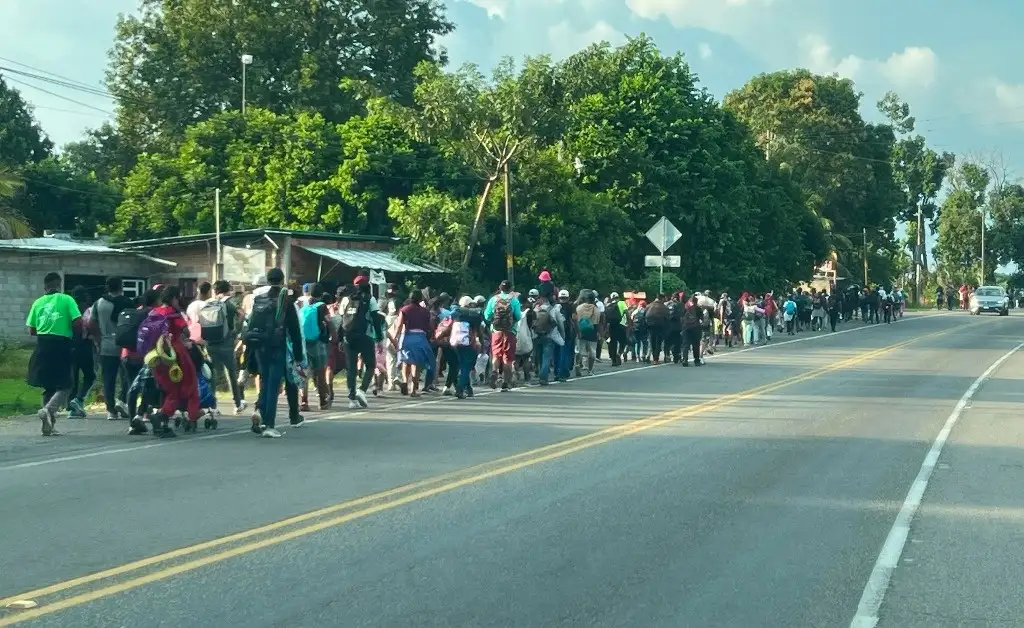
[16,397]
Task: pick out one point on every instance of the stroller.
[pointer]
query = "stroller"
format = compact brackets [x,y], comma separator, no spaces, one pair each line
[207,392]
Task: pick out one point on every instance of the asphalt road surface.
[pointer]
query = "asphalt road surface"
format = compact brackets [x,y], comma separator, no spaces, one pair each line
[780,486]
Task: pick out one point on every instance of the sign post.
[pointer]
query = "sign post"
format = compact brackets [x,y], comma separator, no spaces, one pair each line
[663,235]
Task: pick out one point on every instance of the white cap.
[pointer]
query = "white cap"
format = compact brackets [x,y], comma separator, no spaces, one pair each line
[480,299]
[614,295]
[465,301]
[534,292]
[563,294]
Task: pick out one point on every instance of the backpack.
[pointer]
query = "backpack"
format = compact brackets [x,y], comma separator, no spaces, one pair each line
[311,321]
[150,330]
[126,333]
[459,334]
[443,328]
[213,321]
[265,321]
[501,319]
[657,314]
[640,321]
[543,323]
[353,319]
[588,331]
[674,312]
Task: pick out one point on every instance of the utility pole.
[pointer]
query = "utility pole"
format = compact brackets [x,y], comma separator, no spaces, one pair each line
[509,259]
[219,268]
[865,233]
[918,256]
[981,281]
[246,61]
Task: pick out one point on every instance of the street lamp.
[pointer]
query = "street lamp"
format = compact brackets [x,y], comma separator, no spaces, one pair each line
[246,60]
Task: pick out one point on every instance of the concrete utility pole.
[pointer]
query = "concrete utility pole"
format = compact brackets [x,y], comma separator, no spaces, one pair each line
[918,255]
[509,258]
[865,234]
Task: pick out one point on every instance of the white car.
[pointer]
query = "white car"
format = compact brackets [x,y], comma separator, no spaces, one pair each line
[990,299]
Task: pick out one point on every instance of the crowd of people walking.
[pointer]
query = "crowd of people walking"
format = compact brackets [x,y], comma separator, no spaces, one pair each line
[160,359]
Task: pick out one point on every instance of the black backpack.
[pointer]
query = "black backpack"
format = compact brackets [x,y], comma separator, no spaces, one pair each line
[265,321]
[354,320]
[127,330]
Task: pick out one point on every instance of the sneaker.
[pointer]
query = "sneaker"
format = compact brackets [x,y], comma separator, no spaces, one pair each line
[298,422]
[138,427]
[240,407]
[112,416]
[122,409]
[448,391]
[469,392]
[361,398]
[353,405]
[271,433]
[304,408]
[75,410]
[44,417]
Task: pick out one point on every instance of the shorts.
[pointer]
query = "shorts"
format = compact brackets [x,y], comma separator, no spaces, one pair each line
[587,348]
[503,347]
[316,354]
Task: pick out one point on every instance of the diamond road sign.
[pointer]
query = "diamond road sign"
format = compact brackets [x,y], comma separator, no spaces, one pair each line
[663,235]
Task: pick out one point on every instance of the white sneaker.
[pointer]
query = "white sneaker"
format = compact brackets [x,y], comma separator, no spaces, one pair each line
[361,398]
[271,433]
[112,416]
[240,408]
[122,409]
[354,405]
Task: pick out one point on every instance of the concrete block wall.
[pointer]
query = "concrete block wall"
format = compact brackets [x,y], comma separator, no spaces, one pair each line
[21,280]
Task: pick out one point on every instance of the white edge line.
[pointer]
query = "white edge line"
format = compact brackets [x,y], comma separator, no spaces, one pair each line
[892,549]
[417,404]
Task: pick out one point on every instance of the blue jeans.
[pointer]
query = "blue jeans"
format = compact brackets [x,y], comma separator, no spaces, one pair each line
[545,348]
[467,362]
[567,358]
[271,363]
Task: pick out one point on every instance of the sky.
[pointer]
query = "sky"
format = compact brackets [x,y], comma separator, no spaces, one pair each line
[956,66]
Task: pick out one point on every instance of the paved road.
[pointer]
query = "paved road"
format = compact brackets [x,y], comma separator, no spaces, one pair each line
[757,491]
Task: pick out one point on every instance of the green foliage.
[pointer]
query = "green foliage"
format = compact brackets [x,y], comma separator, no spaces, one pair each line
[21,139]
[55,197]
[652,280]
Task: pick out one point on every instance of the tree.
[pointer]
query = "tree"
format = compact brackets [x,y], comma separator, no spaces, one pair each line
[436,225]
[55,197]
[12,224]
[177,63]
[1007,230]
[811,126]
[958,250]
[21,139]
[103,153]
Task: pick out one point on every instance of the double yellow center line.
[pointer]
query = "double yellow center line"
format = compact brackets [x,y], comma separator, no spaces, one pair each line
[332,516]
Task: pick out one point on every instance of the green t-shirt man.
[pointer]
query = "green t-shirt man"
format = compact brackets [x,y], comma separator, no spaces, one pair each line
[52,315]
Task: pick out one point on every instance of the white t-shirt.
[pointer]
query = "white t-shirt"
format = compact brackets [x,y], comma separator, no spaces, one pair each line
[192,311]
[600,305]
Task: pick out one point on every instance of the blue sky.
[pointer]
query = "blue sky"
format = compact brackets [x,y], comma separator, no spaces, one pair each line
[956,66]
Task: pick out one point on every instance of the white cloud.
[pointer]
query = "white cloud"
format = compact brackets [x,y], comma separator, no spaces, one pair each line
[913,68]
[494,8]
[565,40]
[720,16]
[704,50]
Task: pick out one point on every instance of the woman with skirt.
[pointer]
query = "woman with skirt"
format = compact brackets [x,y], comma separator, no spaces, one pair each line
[415,351]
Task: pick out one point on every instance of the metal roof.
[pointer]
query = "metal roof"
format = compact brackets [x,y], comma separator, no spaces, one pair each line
[373,260]
[256,233]
[61,245]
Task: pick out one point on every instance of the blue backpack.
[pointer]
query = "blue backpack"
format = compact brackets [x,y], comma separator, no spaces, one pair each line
[311,321]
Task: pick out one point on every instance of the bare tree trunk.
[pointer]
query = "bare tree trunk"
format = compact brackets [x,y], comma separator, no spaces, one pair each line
[476,221]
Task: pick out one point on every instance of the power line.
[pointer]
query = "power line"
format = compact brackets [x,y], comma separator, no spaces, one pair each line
[56,95]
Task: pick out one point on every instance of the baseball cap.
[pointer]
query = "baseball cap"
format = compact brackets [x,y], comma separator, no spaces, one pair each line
[563,294]
[614,295]
[504,286]
[534,292]
[465,301]
[480,299]
[275,275]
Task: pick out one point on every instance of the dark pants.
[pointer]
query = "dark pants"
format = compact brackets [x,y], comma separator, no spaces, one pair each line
[673,344]
[110,365]
[833,318]
[657,333]
[222,358]
[566,358]
[691,343]
[617,342]
[358,346]
[131,371]
[84,370]
[454,361]
[466,361]
[271,362]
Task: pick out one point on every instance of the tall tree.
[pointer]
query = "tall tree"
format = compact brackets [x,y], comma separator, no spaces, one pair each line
[958,249]
[811,126]
[22,141]
[178,62]
[55,197]
[12,223]
[919,172]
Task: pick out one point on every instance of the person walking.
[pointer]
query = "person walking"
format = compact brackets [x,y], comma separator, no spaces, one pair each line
[103,325]
[54,319]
